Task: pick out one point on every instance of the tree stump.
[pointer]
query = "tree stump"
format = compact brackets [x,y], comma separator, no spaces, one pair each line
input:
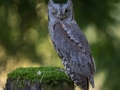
[39,78]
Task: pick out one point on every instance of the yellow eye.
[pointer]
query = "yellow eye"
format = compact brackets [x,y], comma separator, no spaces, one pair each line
[54,11]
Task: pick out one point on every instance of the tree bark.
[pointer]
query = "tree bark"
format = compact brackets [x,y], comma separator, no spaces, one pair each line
[39,78]
[13,84]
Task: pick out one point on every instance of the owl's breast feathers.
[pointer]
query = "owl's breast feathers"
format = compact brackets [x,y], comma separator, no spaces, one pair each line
[72,45]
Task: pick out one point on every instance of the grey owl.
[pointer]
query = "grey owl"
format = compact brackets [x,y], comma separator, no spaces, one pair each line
[71,44]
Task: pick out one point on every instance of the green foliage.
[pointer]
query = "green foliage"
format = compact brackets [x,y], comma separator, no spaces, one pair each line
[24,34]
[49,74]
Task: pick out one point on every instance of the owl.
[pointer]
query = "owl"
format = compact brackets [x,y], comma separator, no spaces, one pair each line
[71,44]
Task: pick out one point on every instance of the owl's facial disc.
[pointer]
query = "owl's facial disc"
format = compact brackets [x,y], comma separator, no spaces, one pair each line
[61,15]
[60,12]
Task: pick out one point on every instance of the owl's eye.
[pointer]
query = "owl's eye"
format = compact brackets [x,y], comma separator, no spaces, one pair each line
[54,11]
[67,11]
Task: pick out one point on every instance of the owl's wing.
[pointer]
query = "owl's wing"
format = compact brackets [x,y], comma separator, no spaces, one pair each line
[77,36]
[72,47]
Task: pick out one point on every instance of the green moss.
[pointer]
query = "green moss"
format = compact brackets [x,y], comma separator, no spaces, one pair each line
[49,74]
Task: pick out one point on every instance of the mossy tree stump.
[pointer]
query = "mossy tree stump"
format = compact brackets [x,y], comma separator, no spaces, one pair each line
[38,78]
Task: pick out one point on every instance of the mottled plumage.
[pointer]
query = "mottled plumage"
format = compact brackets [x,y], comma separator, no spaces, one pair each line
[71,44]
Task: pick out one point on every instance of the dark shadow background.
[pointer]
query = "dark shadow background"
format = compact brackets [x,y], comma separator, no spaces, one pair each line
[24,37]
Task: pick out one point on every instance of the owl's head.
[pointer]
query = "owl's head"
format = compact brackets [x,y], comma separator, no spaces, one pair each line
[60,12]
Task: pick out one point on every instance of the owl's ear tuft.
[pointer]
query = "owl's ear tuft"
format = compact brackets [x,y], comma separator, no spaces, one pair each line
[69,1]
[70,4]
[50,2]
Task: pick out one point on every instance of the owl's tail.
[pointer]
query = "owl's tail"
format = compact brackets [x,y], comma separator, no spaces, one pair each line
[85,85]
[81,81]
[92,80]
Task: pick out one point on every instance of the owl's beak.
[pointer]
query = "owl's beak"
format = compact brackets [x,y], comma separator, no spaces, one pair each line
[61,17]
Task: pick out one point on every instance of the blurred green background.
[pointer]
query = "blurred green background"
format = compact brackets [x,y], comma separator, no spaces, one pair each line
[25,41]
